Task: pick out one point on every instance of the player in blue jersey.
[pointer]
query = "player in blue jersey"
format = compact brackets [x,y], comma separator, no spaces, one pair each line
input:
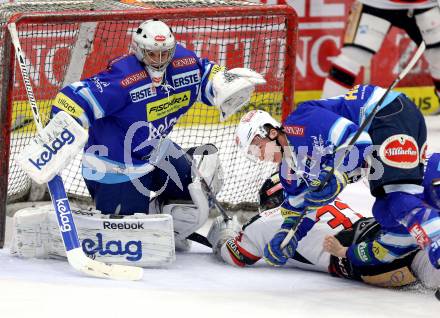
[316,134]
[131,107]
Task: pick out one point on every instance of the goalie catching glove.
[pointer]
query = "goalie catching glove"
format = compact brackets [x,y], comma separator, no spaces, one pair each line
[233,89]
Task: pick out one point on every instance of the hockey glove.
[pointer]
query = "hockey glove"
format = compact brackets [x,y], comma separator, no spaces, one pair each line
[273,254]
[317,197]
[221,231]
[233,89]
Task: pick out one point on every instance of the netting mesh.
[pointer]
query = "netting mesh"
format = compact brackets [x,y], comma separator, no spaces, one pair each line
[188,3]
[62,52]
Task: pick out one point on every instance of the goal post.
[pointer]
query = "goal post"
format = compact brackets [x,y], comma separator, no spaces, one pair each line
[67,45]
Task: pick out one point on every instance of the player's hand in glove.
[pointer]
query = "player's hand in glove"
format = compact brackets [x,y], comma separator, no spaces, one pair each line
[318,196]
[273,254]
[221,231]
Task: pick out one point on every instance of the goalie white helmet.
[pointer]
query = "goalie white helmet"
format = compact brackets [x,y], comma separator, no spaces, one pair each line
[251,125]
[154,45]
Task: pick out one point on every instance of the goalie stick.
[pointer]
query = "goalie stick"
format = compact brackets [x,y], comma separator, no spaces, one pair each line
[75,255]
[353,140]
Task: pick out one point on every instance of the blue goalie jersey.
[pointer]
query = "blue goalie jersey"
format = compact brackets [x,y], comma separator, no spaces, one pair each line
[125,113]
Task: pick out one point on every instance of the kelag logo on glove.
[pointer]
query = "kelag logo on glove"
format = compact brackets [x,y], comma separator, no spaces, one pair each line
[56,145]
[66,137]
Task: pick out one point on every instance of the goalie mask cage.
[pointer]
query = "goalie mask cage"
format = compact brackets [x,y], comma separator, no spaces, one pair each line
[79,38]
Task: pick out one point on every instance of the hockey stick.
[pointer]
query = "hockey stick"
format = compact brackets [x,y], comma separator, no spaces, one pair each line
[199,238]
[362,127]
[19,124]
[75,255]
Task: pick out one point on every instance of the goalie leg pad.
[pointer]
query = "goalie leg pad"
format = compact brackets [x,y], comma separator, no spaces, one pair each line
[139,240]
[207,160]
[187,217]
[345,67]
[429,26]
[370,32]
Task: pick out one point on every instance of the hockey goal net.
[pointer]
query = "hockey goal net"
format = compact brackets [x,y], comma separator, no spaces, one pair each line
[76,39]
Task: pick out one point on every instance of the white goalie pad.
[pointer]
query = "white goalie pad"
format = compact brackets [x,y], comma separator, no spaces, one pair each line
[138,240]
[53,148]
[233,89]
[207,161]
[187,217]
[371,32]
[429,25]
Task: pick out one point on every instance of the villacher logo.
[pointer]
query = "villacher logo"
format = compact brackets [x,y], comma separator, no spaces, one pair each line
[400,151]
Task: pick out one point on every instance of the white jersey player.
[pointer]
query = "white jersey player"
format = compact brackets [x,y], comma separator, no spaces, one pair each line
[245,246]
[366,29]
[248,246]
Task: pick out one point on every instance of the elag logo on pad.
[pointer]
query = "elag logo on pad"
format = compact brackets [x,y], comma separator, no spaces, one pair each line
[132,250]
[66,137]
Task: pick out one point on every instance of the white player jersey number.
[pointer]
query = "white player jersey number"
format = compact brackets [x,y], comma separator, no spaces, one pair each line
[335,215]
